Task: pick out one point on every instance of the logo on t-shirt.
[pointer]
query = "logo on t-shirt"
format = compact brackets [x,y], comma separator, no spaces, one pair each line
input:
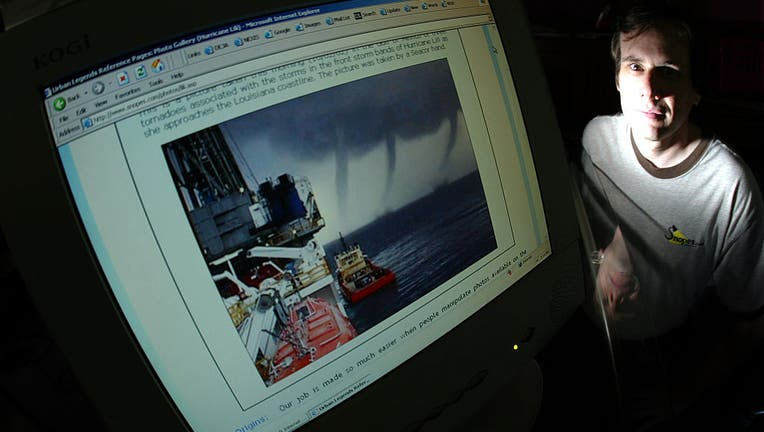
[674,236]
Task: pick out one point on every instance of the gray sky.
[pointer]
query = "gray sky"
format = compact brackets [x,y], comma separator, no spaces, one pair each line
[367,147]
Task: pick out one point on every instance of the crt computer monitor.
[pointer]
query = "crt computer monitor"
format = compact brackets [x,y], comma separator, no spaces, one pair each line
[272,215]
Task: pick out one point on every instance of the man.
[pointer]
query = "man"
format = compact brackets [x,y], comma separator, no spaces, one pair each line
[677,215]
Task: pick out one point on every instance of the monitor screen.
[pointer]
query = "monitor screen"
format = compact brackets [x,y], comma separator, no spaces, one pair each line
[288,206]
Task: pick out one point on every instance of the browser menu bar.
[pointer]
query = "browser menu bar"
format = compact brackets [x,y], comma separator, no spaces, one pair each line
[89,101]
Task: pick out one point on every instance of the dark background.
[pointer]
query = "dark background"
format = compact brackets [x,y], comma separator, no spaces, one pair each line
[573,40]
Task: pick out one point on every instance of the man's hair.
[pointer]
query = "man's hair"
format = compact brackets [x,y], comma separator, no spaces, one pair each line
[647,15]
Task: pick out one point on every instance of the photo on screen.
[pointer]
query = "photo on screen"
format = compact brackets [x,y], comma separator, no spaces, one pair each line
[322,216]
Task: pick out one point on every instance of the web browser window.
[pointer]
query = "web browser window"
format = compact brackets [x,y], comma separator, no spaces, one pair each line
[289,207]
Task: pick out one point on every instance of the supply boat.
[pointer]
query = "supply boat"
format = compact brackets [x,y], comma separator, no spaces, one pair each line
[357,275]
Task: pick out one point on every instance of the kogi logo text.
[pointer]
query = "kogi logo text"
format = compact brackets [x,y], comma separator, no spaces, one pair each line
[57,54]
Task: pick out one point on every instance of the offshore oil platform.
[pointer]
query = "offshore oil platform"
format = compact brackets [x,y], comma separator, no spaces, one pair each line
[272,276]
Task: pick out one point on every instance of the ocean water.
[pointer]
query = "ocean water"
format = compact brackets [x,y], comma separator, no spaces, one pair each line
[424,243]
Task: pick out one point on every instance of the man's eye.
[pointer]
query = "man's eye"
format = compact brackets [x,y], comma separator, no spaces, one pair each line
[635,67]
[669,72]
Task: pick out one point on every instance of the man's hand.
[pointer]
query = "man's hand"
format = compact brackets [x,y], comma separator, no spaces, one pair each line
[617,287]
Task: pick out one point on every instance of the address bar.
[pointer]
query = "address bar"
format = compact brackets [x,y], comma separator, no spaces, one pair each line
[139,104]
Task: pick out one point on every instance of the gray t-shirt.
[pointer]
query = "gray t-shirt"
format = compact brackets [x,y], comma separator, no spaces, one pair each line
[687,228]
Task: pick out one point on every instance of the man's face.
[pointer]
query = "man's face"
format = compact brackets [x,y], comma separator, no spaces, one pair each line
[654,81]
